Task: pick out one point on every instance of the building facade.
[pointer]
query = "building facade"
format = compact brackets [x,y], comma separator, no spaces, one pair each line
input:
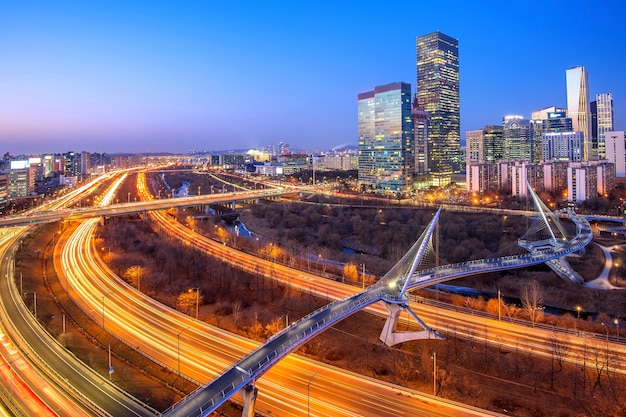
[517,139]
[561,146]
[438,95]
[577,81]
[615,152]
[386,161]
[603,121]
[420,137]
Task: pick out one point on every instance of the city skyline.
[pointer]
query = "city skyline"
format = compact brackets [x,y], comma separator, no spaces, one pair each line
[155,77]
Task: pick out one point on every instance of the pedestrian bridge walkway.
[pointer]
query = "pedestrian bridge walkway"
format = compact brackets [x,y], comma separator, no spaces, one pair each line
[545,242]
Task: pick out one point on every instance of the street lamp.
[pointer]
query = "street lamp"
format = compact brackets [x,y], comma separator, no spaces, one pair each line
[197,290]
[178,343]
[607,345]
[109,293]
[616,266]
[616,321]
[363,275]
[434,358]
[34,301]
[578,308]
[308,395]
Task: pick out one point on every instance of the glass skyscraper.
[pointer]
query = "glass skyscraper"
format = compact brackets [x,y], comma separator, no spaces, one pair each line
[577,81]
[438,95]
[603,121]
[386,161]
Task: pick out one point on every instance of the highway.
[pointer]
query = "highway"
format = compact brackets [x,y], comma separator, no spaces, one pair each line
[61,382]
[180,336]
[201,351]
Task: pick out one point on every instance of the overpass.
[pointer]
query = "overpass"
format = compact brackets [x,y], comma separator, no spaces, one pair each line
[392,290]
[141,206]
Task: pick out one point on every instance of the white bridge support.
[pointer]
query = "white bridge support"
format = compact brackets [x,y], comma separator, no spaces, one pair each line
[248,393]
[390,336]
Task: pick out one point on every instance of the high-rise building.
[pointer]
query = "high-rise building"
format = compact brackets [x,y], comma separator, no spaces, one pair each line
[561,146]
[386,162]
[475,145]
[577,81]
[517,135]
[438,94]
[615,151]
[602,108]
[420,137]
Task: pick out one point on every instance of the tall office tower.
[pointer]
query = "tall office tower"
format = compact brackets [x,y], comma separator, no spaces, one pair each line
[615,151]
[516,135]
[603,121]
[593,122]
[386,162]
[494,145]
[539,125]
[438,94]
[577,81]
[72,164]
[420,137]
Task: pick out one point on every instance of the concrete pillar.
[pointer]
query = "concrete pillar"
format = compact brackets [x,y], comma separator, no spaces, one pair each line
[248,393]
[391,337]
[234,206]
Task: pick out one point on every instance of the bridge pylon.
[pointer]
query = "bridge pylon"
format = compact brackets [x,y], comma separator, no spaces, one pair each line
[390,336]
[248,393]
[394,291]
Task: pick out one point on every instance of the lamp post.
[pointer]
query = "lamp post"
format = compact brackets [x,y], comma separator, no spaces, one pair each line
[616,321]
[607,345]
[34,301]
[363,275]
[616,266]
[197,290]
[178,344]
[434,357]
[103,297]
[308,395]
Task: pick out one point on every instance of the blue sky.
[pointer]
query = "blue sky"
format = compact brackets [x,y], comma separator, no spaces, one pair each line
[150,76]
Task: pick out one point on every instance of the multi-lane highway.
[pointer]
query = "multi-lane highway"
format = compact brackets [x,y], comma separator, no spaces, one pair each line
[201,351]
[178,343]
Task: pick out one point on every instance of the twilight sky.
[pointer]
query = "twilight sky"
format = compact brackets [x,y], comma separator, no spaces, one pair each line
[150,76]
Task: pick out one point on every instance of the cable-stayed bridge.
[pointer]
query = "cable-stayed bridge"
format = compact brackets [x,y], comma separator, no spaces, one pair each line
[546,241]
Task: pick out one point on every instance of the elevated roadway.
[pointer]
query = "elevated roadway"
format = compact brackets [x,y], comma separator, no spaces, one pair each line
[242,376]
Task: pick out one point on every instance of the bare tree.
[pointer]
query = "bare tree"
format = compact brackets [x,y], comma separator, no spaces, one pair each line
[532,300]
[560,349]
[236,310]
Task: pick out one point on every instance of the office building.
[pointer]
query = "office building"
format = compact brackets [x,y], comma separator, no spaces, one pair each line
[602,120]
[386,161]
[438,95]
[517,136]
[561,146]
[420,137]
[615,153]
[577,82]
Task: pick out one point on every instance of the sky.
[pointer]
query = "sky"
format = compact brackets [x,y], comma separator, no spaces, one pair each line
[175,76]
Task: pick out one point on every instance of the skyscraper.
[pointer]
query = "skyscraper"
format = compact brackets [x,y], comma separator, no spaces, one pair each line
[386,162]
[516,137]
[438,94]
[577,81]
[604,120]
[420,137]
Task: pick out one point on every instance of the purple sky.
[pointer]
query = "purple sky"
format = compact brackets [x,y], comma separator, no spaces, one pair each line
[147,76]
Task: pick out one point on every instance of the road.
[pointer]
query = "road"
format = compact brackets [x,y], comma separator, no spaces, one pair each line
[201,351]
